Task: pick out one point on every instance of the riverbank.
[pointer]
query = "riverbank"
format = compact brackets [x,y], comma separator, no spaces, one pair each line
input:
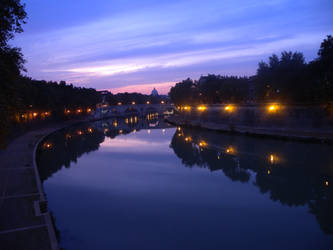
[25,222]
[311,135]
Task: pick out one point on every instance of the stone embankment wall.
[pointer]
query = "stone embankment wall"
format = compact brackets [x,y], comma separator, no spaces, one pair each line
[299,122]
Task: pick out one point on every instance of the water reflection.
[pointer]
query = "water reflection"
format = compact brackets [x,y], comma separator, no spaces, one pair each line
[69,144]
[293,174]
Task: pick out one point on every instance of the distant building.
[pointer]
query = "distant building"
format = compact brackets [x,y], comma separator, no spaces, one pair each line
[154,92]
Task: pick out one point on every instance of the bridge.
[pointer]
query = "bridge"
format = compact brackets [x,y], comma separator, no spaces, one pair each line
[140,110]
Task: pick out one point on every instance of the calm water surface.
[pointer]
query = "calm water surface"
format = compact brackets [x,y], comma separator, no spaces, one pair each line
[133,184]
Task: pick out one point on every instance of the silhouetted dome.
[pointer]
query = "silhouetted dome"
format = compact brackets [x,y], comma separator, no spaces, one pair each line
[154,92]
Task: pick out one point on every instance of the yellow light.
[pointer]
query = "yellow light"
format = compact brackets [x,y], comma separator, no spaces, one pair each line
[229,108]
[133,103]
[68,136]
[90,130]
[230,150]
[179,128]
[34,114]
[326,183]
[46,113]
[218,157]
[106,130]
[119,103]
[120,131]
[268,171]
[88,110]
[187,108]
[273,108]
[202,144]
[202,108]
[126,120]
[47,145]
[79,132]
[148,131]
[188,139]
[148,102]
[67,111]
[162,102]
[271,158]
[179,134]
[79,111]
[134,131]
[115,123]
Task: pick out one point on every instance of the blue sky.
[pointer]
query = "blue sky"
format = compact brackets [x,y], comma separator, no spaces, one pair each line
[130,45]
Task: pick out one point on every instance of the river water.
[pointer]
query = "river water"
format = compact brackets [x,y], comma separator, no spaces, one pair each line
[143,184]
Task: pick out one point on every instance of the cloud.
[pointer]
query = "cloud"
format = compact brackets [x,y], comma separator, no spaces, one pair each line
[183,38]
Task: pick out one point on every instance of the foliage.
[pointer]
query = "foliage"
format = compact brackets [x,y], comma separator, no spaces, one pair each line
[211,89]
[287,79]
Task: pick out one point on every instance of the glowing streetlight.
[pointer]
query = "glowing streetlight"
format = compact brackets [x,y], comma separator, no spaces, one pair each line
[273,108]
[326,183]
[133,103]
[119,103]
[148,102]
[88,110]
[47,145]
[202,144]
[188,139]
[229,108]
[230,150]
[35,114]
[162,102]
[202,108]
[187,108]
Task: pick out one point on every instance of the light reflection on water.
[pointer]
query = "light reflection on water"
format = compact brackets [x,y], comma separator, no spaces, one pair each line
[178,188]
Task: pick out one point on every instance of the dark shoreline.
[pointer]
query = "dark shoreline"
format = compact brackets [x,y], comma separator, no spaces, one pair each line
[269,133]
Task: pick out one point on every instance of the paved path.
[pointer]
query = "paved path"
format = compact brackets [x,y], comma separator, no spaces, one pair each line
[23,222]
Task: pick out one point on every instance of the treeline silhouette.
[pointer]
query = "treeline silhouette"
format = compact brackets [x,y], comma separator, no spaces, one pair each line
[287,78]
[21,96]
[286,179]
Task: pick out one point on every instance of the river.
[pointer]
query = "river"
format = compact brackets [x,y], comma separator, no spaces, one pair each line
[142,184]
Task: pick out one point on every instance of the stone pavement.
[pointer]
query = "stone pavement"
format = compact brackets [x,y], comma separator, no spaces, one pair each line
[25,223]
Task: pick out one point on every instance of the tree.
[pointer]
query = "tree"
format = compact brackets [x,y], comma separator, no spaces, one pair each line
[12,16]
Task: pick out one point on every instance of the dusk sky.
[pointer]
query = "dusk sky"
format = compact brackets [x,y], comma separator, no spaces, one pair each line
[133,46]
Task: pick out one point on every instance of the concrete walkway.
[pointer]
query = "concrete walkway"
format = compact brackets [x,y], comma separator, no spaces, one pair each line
[25,222]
